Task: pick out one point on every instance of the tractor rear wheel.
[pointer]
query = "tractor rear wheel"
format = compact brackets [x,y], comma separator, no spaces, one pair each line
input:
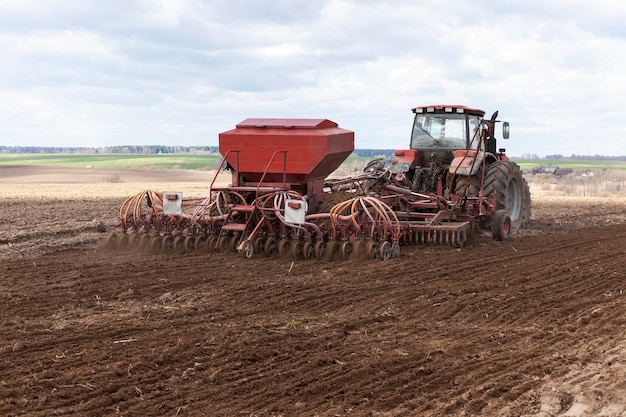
[462,188]
[504,180]
[333,199]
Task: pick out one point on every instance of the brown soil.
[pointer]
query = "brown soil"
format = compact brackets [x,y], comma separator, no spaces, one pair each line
[534,326]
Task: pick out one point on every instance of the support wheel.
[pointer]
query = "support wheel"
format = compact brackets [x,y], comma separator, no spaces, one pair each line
[248,249]
[501,225]
[385,251]
[395,251]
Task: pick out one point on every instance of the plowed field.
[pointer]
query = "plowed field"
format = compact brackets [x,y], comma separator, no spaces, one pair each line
[535,326]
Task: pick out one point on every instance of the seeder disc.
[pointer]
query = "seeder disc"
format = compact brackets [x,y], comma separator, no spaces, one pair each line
[308,250]
[372,249]
[320,249]
[283,246]
[346,249]
[296,249]
[167,243]
[199,243]
[271,246]
[110,242]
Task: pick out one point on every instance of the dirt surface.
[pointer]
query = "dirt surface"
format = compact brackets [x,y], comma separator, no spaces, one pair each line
[535,326]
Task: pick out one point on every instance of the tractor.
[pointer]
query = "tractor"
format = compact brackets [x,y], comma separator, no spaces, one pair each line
[453,151]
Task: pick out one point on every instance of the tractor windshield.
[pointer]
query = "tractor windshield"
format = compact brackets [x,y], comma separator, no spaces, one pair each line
[444,131]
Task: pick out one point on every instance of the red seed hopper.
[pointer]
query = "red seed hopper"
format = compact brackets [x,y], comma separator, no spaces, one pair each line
[291,153]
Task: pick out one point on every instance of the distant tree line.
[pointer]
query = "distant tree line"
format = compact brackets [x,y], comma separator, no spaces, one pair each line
[373,153]
[146,149]
[150,150]
[574,157]
[178,149]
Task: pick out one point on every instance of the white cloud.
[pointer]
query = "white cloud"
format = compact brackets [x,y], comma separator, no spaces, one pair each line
[180,71]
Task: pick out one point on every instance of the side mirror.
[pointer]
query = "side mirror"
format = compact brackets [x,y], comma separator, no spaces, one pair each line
[505,130]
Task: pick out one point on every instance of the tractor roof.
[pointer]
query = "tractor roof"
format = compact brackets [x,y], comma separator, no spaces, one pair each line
[448,108]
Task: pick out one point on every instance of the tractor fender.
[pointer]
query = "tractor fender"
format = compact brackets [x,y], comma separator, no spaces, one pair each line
[466,162]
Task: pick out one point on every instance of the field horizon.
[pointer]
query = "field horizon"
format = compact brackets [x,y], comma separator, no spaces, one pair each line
[207,162]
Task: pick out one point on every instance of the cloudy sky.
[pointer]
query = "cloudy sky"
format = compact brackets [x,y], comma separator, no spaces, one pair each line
[136,72]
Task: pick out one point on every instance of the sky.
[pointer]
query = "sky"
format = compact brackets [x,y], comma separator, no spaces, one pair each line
[93,73]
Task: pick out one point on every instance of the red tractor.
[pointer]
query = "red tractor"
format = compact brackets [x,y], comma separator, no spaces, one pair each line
[453,152]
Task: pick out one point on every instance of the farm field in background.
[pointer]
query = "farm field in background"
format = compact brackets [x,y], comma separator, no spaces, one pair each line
[115,161]
[210,161]
[574,165]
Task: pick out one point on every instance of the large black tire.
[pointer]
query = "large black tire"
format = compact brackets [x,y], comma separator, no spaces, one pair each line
[333,199]
[526,214]
[471,190]
[375,165]
[504,180]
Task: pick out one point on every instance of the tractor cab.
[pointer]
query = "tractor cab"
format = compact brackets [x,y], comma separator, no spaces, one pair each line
[441,132]
[446,128]
[446,141]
